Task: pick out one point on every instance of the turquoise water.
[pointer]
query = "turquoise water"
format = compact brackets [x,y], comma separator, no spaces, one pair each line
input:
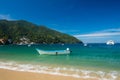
[93,60]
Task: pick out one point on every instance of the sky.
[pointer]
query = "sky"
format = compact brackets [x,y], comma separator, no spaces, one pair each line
[92,21]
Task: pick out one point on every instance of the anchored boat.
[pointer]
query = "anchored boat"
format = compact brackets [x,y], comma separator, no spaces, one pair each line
[54,52]
[110,42]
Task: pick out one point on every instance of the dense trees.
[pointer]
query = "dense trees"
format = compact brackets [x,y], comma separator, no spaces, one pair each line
[39,34]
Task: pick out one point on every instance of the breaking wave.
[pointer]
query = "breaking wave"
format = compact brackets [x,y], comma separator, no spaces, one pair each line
[63,71]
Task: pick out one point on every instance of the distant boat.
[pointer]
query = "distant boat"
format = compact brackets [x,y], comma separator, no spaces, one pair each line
[29,45]
[110,42]
[54,52]
[85,44]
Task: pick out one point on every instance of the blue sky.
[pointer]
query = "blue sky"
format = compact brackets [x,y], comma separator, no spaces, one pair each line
[88,20]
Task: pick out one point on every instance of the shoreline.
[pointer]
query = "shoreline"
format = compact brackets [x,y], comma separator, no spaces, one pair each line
[9,70]
[6,74]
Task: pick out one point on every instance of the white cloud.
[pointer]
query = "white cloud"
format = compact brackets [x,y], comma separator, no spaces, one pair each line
[112,30]
[108,32]
[5,16]
[100,36]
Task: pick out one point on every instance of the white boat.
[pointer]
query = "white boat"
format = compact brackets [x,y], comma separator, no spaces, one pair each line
[29,45]
[85,44]
[110,42]
[54,52]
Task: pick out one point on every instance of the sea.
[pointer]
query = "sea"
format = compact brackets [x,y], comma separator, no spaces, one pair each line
[97,61]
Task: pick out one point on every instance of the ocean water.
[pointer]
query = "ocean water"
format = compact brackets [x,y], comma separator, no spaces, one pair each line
[98,61]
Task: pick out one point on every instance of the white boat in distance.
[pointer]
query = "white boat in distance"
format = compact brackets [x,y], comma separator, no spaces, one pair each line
[110,42]
[54,52]
[85,44]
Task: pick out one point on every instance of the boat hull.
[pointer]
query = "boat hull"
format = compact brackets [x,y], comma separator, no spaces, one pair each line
[55,52]
[110,42]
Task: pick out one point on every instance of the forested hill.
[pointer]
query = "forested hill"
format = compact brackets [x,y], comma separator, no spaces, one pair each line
[16,30]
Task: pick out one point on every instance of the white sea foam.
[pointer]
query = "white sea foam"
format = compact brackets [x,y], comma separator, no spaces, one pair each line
[78,73]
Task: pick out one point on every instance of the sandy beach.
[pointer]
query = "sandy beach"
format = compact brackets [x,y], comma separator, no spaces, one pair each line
[18,75]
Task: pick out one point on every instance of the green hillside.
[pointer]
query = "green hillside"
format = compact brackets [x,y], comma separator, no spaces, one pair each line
[15,30]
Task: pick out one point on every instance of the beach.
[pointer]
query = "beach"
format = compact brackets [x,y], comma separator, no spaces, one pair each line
[19,75]
[91,62]
[59,39]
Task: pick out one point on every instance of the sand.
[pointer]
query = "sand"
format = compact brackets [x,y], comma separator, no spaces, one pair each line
[19,75]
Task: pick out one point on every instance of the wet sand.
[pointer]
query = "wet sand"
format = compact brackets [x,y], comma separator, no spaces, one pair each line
[19,75]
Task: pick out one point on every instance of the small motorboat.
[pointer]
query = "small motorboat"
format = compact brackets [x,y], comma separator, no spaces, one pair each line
[110,42]
[53,52]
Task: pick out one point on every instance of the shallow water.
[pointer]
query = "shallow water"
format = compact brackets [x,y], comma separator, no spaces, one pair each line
[93,61]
